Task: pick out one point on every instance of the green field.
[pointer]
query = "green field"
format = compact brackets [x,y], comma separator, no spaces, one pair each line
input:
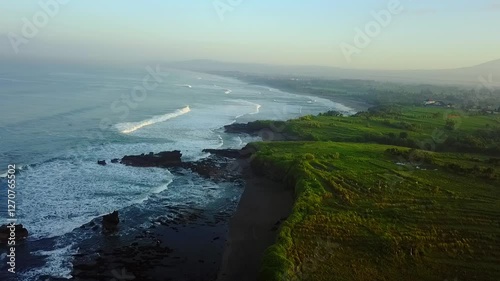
[368,210]
[430,128]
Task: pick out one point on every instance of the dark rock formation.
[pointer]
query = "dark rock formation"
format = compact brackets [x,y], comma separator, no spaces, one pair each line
[214,169]
[237,128]
[217,167]
[228,153]
[116,160]
[21,233]
[273,131]
[124,262]
[163,159]
[207,168]
[101,162]
[110,222]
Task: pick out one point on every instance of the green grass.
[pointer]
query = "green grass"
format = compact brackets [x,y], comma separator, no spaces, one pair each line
[425,129]
[366,211]
[422,120]
[360,216]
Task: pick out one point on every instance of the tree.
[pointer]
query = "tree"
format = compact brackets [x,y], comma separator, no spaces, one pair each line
[403,135]
[450,124]
[332,113]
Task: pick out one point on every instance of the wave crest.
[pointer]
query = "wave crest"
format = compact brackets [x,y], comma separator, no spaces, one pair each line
[130,127]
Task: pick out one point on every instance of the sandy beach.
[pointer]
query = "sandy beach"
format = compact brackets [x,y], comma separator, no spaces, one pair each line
[252,229]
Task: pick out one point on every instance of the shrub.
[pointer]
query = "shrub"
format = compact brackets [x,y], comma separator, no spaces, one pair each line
[488,173]
[394,151]
[419,156]
[308,157]
[406,126]
[332,113]
[494,161]
[384,110]
[450,124]
[306,118]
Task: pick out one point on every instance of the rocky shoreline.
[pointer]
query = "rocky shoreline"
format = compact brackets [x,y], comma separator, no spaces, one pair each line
[164,251]
[188,247]
[193,244]
[217,167]
[267,130]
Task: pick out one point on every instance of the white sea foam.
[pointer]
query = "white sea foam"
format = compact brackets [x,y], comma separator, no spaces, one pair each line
[162,188]
[75,192]
[58,264]
[157,190]
[247,103]
[127,128]
[4,174]
[221,141]
[257,109]
[240,141]
[195,190]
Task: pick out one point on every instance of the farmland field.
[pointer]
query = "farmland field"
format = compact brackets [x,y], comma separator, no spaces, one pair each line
[372,211]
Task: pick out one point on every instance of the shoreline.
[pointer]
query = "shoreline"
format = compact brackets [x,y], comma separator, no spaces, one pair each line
[181,242]
[222,247]
[355,104]
[253,227]
[188,247]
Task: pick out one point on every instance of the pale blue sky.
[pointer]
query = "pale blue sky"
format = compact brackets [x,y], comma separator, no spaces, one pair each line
[427,34]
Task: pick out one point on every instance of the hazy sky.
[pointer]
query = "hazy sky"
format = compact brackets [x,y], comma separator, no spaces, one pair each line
[425,34]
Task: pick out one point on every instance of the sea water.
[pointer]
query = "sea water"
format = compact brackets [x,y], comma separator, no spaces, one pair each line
[56,121]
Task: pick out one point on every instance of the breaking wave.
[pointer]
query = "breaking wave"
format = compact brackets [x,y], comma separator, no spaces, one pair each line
[130,127]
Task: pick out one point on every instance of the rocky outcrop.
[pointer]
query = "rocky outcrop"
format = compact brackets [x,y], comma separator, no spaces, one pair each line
[238,128]
[268,131]
[215,169]
[220,166]
[110,222]
[18,231]
[101,162]
[164,159]
[228,153]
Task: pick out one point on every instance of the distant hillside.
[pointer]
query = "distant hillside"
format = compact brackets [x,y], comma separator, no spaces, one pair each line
[485,75]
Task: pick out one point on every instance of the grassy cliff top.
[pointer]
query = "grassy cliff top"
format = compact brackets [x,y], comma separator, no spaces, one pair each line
[366,210]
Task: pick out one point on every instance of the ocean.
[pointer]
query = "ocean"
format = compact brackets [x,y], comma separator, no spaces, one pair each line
[56,121]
